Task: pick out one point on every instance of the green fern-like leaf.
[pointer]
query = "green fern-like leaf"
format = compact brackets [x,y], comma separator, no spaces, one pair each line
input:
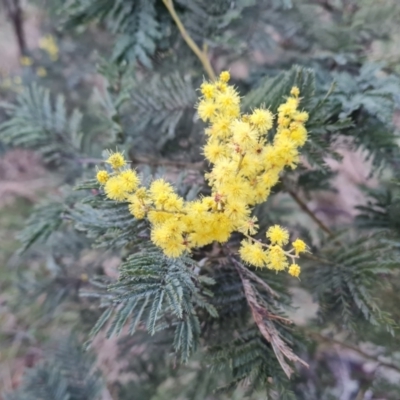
[161,104]
[134,22]
[160,293]
[45,219]
[35,123]
[66,373]
[344,284]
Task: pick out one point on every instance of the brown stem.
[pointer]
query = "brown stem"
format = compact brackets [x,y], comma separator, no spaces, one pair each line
[254,277]
[319,259]
[201,54]
[157,161]
[306,209]
[14,12]
[147,161]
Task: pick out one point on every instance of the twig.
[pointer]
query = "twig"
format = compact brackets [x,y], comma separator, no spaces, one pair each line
[156,161]
[319,259]
[13,8]
[305,208]
[148,161]
[254,277]
[201,54]
[322,338]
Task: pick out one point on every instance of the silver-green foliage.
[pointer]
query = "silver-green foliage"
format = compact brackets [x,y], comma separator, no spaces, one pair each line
[36,122]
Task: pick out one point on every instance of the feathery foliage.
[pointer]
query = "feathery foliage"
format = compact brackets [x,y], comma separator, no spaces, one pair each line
[204,320]
[36,123]
[160,293]
[346,281]
[66,373]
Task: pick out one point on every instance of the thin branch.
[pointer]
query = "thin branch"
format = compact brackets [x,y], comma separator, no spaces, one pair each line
[322,338]
[306,209]
[158,161]
[254,277]
[14,12]
[148,161]
[201,54]
[318,259]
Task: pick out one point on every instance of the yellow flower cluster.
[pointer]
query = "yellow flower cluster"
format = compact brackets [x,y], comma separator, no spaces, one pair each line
[121,182]
[272,255]
[49,45]
[245,166]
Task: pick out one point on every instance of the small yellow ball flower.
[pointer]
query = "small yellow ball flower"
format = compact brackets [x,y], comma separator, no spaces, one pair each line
[26,61]
[116,160]
[207,90]
[115,189]
[214,150]
[174,203]
[129,179]
[299,246]
[136,207]
[253,253]
[227,99]
[295,91]
[276,258]
[250,226]
[41,72]
[102,176]
[49,45]
[278,235]
[301,117]
[224,76]
[206,110]
[262,119]
[141,193]
[298,133]
[294,270]
[160,187]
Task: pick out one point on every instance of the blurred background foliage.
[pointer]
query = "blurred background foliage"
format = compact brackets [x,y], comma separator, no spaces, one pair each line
[81,76]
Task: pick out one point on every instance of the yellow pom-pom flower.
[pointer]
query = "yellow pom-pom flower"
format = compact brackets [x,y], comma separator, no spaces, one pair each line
[276,258]
[214,150]
[116,160]
[278,235]
[262,119]
[295,91]
[294,270]
[250,226]
[102,176]
[207,90]
[299,246]
[41,72]
[253,253]
[26,61]
[49,45]
[224,76]
[129,179]
[136,207]
[206,110]
[115,189]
